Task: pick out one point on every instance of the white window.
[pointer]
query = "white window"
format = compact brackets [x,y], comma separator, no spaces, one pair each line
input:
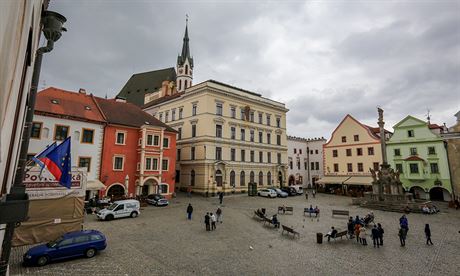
[118,162]
[165,164]
[120,137]
[156,140]
[149,140]
[163,188]
[165,142]
[151,164]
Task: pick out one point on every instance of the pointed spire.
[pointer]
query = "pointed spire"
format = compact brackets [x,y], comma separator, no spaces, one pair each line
[185,47]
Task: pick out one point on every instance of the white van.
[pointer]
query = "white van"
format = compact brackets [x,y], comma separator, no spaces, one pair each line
[298,188]
[120,209]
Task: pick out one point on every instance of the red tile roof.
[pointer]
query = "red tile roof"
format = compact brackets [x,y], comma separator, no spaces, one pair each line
[434,126]
[413,158]
[68,103]
[376,130]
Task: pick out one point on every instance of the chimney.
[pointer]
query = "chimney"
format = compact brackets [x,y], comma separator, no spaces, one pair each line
[164,88]
[82,91]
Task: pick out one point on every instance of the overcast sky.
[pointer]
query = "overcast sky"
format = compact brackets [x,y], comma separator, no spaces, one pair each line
[323,59]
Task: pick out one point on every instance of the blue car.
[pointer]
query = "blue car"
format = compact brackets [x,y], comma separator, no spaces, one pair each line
[73,244]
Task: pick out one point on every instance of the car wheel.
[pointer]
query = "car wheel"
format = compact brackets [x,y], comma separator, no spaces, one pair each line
[109,217]
[42,260]
[134,214]
[90,253]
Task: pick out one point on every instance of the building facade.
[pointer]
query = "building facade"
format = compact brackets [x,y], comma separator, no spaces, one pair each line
[227,137]
[305,161]
[452,137]
[417,151]
[139,152]
[350,153]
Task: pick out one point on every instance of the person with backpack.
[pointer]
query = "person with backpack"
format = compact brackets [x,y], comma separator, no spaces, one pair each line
[189,211]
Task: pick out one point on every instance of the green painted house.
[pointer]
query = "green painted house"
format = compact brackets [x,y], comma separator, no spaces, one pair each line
[417,151]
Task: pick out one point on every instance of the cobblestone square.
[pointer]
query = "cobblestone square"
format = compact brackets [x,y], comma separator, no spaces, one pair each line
[162,242]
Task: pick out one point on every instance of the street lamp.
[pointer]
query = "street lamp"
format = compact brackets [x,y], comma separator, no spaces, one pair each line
[17,201]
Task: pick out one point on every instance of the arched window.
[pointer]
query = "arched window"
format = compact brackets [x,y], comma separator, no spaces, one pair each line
[261,179]
[269,178]
[219,178]
[242,179]
[251,177]
[192,178]
[232,178]
[186,69]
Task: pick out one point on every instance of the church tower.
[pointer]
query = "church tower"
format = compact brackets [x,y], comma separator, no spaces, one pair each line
[184,65]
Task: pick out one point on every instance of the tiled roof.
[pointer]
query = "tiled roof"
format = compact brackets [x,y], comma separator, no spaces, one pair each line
[434,126]
[376,130]
[67,103]
[162,99]
[413,158]
[127,114]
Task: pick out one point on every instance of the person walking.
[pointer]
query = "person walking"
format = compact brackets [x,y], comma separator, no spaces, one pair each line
[213,222]
[189,211]
[357,227]
[189,191]
[362,235]
[313,193]
[207,220]
[380,228]
[219,215]
[306,194]
[428,234]
[402,236]
[375,236]
[221,197]
[351,227]
[404,223]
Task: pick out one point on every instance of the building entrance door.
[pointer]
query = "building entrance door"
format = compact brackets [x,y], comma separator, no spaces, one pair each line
[219,178]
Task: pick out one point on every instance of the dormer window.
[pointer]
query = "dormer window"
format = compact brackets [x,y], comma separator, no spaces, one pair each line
[54,101]
[87,107]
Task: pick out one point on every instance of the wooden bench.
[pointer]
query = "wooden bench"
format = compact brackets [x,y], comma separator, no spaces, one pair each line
[270,222]
[289,230]
[259,215]
[340,234]
[285,209]
[307,211]
[341,212]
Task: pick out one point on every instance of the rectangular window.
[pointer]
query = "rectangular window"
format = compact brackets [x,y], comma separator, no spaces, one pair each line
[278,140]
[431,150]
[61,132]
[219,109]
[193,130]
[219,131]
[434,167]
[118,163]
[243,134]
[160,117]
[243,155]
[181,111]
[173,115]
[84,162]
[180,133]
[218,153]
[295,151]
[165,142]
[278,157]
[178,154]
[305,165]
[242,114]
[148,164]
[36,130]
[336,167]
[356,138]
[278,122]
[269,138]
[311,152]
[349,167]
[232,154]
[260,118]
[397,152]
[260,137]
[348,152]
[269,157]
[317,165]
[192,153]
[268,120]
[359,151]
[300,151]
[290,164]
[149,140]
[87,136]
[399,168]
[413,151]
[233,112]
[251,116]
[251,155]
[194,109]
[376,166]
[298,165]
[156,140]
[155,164]
[344,139]
[410,133]
[166,116]
[233,133]
[312,165]
[120,138]
[316,151]
[261,157]
[413,168]
[360,167]
[251,135]
[335,153]
[370,151]
[164,164]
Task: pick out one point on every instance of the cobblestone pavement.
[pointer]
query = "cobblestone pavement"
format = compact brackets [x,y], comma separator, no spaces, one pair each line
[162,242]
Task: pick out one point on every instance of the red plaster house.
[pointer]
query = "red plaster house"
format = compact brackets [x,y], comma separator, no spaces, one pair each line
[138,153]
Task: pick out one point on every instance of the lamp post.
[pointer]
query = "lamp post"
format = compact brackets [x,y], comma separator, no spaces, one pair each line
[52,23]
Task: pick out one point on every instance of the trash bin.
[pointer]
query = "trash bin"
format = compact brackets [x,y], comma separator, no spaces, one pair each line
[319,237]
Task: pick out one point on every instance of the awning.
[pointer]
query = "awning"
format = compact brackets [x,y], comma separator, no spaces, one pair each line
[332,179]
[94,185]
[359,180]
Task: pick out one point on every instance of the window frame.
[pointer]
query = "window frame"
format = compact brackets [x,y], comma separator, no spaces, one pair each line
[168,144]
[163,164]
[125,134]
[55,130]
[39,131]
[114,162]
[89,164]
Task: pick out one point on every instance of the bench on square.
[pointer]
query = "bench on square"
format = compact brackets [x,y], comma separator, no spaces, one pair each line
[259,215]
[289,230]
[285,209]
[270,222]
[341,212]
[307,211]
[340,235]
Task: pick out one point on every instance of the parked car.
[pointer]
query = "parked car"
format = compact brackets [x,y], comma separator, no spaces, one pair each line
[120,209]
[153,198]
[267,193]
[298,188]
[73,244]
[280,193]
[289,190]
[162,202]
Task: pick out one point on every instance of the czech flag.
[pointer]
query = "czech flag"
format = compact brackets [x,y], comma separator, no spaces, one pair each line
[42,154]
[58,163]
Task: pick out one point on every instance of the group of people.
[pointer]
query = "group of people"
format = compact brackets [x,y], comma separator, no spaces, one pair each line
[429,209]
[312,210]
[356,227]
[210,219]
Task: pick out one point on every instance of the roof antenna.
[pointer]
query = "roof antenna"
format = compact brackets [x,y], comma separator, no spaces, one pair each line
[428,117]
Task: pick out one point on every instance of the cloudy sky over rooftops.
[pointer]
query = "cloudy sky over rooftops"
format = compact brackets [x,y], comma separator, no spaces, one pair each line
[323,59]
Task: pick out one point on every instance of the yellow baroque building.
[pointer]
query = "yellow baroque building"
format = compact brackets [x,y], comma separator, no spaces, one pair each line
[351,152]
[227,137]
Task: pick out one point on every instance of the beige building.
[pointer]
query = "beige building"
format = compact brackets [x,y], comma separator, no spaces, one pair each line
[453,152]
[351,152]
[228,137]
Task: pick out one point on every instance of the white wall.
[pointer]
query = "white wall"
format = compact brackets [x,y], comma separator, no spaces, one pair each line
[315,155]
[78,149]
